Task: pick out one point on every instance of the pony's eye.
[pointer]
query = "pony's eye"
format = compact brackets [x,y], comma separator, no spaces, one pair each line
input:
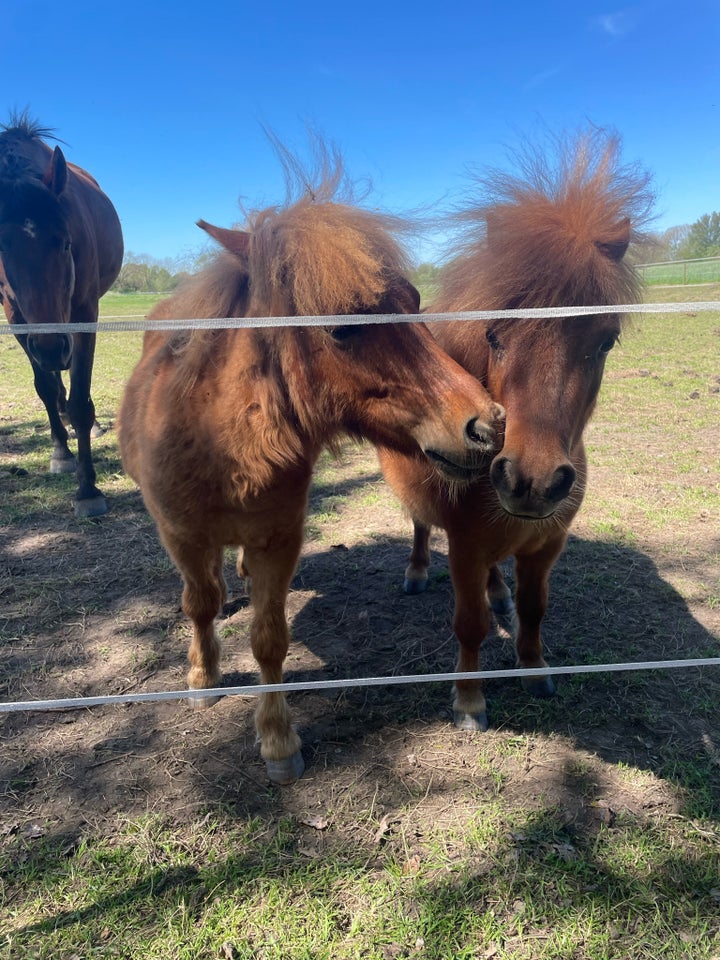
[492,340]
[607,344]
[341,334]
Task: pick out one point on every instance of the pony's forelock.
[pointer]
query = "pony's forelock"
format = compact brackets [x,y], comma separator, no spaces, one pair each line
[536,238]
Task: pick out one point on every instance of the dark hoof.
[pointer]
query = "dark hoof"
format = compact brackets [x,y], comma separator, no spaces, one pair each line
[472,722]
[202,703]
[93,507]
[287,770]
[413,587]
[503,606]
[540,687]
[63,465]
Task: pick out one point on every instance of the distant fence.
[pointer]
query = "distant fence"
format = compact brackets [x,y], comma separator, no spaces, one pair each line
[704,270]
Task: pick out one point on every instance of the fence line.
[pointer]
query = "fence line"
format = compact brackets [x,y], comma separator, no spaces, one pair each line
[140,323]
[253,690]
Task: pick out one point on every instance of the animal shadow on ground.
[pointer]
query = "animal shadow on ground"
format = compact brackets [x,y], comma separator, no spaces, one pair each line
[349,618]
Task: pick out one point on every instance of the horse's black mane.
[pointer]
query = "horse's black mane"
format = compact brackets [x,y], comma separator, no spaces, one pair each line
[22,124]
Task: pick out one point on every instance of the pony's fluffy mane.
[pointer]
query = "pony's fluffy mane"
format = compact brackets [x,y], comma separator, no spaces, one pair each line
[317,253]
[540,238]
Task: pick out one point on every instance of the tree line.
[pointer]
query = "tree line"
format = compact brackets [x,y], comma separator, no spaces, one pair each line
[145,274]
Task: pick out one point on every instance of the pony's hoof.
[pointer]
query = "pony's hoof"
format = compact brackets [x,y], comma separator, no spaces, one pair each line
[502,606]
[287,770]
[472,722]
[413,587]
[540,687]
[203,703]
[63,465]
[92,507]
[96,431]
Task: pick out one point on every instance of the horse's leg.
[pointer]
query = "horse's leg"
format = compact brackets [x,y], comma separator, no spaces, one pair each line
[204,593]
[471,622]
[272,569]
[532,573]
[416,572]
[89,501]
[47,386]
[499,593]
[97,430]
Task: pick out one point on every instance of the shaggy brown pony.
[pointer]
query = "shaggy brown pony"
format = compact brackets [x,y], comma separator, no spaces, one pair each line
[221,428]
[551,236]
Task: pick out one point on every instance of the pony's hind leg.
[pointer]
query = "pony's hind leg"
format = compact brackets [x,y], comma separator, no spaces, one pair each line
[204,593]
[272,570]
[416,572]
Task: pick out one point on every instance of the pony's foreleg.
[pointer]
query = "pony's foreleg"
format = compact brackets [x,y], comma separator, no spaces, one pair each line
[471,622]
[532,574]
[204,593]
[416,572]
[272,570]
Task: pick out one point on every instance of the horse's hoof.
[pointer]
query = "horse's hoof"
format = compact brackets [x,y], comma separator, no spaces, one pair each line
[287,770]
[63,465]
[540,687]
[96,431]
[472,722]
[202,703]
[92,507]
[413,587]
[502,606]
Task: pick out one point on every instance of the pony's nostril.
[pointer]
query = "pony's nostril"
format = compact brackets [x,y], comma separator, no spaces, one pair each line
[479,433]
[561,483]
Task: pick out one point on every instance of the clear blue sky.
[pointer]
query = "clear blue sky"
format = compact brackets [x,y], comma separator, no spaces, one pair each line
[164,103]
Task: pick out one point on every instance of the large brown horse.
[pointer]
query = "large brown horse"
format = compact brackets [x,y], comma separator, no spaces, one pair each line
[221,428]
[547,237]
[61,247]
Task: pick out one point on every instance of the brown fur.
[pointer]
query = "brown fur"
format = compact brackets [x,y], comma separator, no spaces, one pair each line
[221,428]
[550,236]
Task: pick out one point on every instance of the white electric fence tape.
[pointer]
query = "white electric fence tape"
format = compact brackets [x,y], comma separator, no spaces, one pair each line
[128,324]
[307,685]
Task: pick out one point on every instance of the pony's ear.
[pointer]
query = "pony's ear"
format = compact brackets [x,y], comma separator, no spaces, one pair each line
[55,177]
[616,248]
[236,242]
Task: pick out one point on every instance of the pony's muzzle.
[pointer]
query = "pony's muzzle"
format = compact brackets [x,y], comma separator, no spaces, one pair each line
[524,495]
[486,436]
[51,351]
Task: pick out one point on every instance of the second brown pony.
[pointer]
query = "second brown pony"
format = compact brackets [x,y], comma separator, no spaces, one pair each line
[221,428]
[552,236]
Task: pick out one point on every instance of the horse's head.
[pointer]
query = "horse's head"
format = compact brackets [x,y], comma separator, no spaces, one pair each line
[390,383]
[37,272]
[547,374]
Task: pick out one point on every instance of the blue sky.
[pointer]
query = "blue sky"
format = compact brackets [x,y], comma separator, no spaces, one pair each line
[164,103]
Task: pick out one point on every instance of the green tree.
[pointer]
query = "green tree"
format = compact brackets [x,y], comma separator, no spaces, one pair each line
[703,239]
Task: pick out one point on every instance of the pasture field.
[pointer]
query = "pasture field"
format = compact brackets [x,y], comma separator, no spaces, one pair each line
[586,827]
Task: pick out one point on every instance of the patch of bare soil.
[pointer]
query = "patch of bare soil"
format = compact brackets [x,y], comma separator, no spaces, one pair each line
[92,607]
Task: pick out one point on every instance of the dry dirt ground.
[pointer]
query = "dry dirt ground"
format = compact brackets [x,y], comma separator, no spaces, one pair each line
[92,607]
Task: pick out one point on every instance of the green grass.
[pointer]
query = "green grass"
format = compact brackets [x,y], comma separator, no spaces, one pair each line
[506,884]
